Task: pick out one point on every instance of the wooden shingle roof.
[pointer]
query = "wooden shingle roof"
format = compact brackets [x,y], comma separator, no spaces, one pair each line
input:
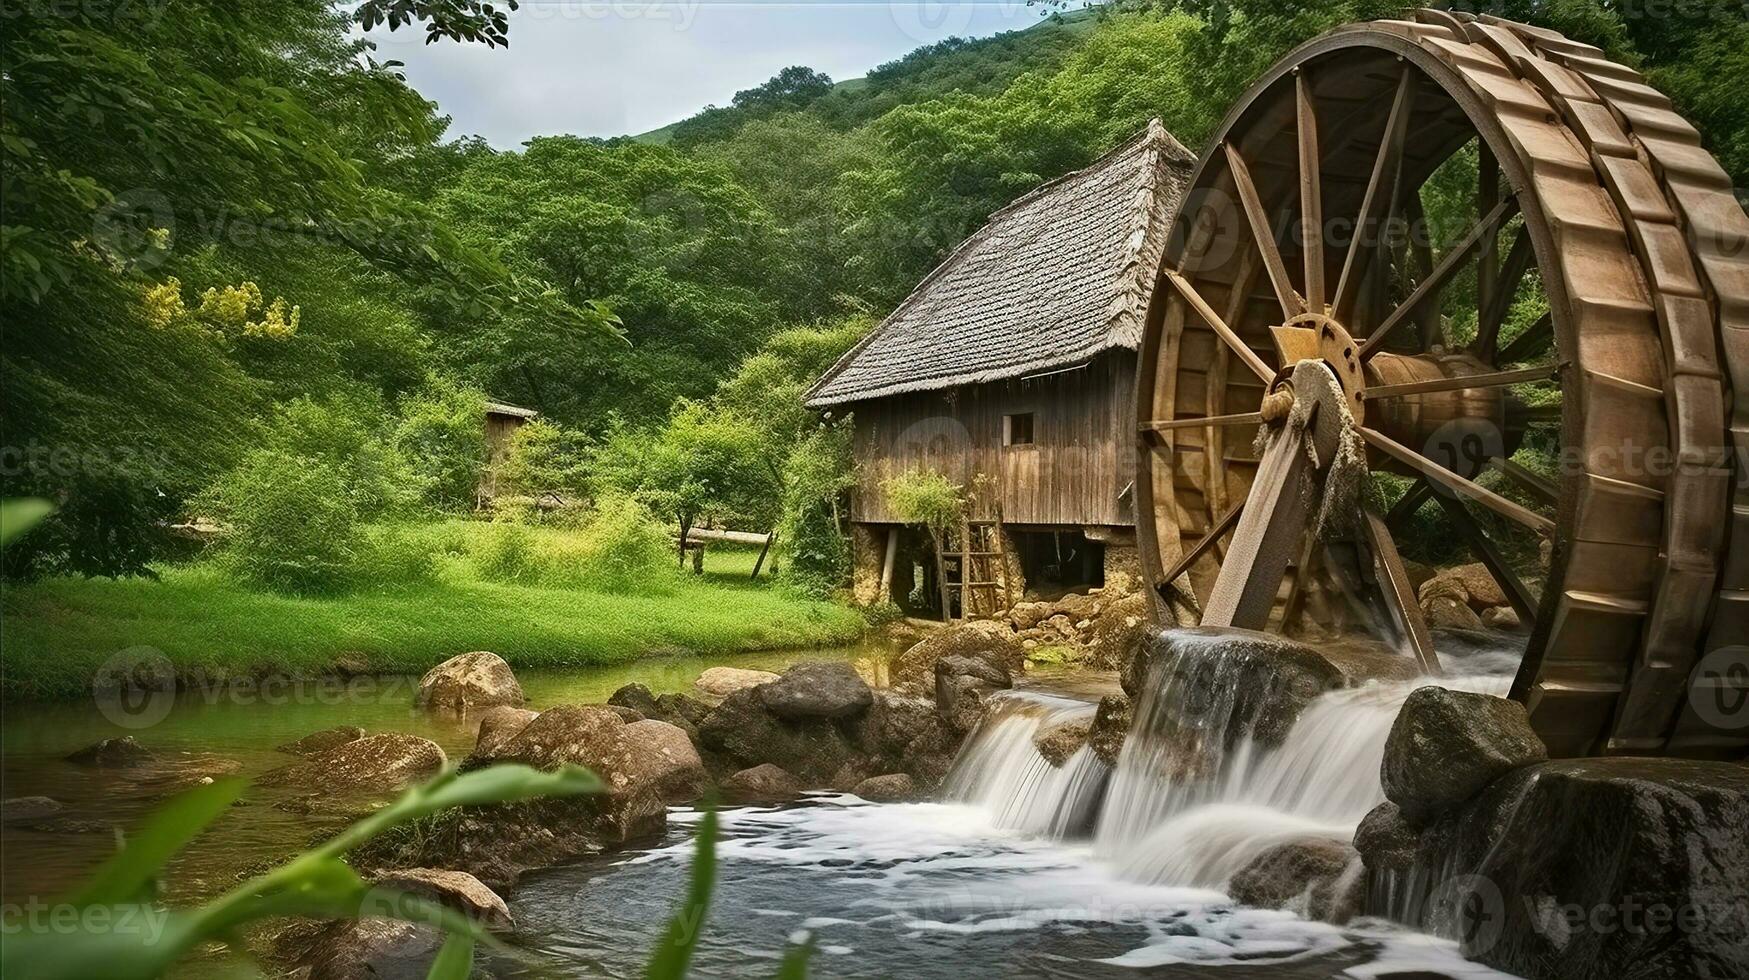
[1055,278]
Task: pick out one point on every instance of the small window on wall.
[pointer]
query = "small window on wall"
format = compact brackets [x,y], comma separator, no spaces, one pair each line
[1017,429]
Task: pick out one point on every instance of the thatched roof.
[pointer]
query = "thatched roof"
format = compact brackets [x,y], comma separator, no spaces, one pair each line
[1054,279]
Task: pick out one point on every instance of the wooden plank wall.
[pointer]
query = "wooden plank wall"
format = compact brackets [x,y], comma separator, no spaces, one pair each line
[1082,455]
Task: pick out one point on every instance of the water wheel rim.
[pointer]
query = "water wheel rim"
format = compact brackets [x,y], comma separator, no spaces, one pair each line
[1624,615]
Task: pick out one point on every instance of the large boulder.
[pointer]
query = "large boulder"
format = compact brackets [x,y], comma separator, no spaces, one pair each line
[1111,726]
[456,890]
[764,783]
[363,949]
[1120,629]
[29,809]
[1240,682]
[638,698]
[376,763]
[1581,868]
[929,757]
[1446,745]
[1310,875]
[720,682]
[913,671]
[889,788]
[1385,840]
[1445,611]
[498,726]
[891,723]
[744,734]
[1479,584]
[121,752]
[963,686]
[643,757]
[469,682]
[323,740]
[820,689]
[1060,741]
[1026,615]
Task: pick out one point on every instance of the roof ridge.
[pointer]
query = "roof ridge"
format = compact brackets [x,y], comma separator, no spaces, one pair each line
[1162,153]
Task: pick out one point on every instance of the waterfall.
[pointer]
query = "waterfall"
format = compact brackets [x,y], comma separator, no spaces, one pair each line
[1199,789]
[1196,795]
[1002,772]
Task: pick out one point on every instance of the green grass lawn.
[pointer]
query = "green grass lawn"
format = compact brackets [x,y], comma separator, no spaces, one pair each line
[56,633]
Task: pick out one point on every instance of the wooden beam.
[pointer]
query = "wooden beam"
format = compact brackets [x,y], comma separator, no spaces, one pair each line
[1469,488]
[1311,191]
[1516,593]
[1532,342]
[1434,281]
[1201,548]
[1493,379]
[1219,326]
[1375,206]
[1399,594]
[1165,425]
[1263,234]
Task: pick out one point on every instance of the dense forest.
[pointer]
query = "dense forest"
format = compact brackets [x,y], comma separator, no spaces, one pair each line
[250,274]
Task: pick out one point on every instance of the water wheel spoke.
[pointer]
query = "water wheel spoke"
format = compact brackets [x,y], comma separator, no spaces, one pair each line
[1380,192]
[1263,234]
[1399,593]
[1466,382]
[1533,342]
[1436,473]
[1296,594]
[1209,421]
[1487,257]
[1222,526]
[1219,326]
[1492,313]
[1311,193]
[1529,481]
[1431,284]
[1489,555]
[1408,504]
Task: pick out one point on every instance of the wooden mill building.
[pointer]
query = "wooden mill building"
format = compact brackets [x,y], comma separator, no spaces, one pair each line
[1012,366]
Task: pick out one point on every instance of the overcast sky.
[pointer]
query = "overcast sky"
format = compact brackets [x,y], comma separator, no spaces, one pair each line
[607,68]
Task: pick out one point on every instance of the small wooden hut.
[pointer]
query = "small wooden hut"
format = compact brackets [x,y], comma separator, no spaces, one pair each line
[1011,367]
[502,420]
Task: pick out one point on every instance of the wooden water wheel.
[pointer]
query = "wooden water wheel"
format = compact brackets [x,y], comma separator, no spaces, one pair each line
[1546,382]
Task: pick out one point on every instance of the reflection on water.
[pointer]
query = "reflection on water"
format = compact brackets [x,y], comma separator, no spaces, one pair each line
[234,729]
[932,890]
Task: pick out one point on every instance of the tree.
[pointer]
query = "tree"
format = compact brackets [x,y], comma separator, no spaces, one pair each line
[701,462]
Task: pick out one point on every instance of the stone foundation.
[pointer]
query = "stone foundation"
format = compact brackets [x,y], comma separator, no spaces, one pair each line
[1123,568]
[868,550]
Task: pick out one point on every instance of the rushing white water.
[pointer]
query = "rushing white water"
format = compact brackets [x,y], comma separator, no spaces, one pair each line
[1196,797]
[1002,772]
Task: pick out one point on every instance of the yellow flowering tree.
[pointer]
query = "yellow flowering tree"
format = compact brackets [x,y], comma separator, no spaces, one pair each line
[224,311]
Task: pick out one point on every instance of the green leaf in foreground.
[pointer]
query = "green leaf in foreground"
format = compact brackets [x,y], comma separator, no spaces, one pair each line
[124,878]
[673,955]
[20,515]
[795,960]
[455,961]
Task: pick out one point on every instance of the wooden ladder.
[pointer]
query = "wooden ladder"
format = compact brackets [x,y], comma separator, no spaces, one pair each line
[982,561]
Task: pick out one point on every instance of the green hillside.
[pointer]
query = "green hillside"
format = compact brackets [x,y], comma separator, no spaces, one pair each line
[978,66]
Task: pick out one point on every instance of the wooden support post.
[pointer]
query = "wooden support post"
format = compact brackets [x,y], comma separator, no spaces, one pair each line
[759,562]
[887,563]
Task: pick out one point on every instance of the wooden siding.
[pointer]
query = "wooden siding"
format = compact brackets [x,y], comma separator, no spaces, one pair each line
[1081,459]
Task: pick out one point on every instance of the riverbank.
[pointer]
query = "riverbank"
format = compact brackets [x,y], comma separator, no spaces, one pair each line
[59,633]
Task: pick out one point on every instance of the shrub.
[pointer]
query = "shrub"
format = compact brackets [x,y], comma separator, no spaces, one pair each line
[292,526]
[443,436]
[925,498]
[377,476]
[396,554]
[505,552]
[541,458]
[625,549]
[816,555]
